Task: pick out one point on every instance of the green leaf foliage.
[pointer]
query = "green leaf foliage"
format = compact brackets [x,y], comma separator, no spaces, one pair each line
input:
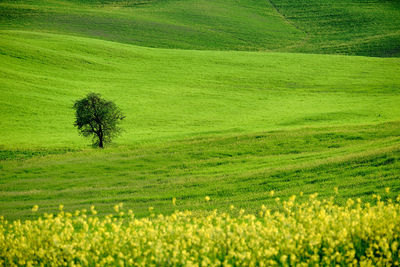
[98,118]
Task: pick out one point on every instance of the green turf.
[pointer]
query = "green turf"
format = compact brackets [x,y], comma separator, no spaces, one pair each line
[359,27]
[232,125]
[218,98]
[235,169]
[198,24]
[170,94]
[356,27]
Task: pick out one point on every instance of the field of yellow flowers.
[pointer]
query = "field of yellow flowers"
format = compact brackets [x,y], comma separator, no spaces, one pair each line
[315,232]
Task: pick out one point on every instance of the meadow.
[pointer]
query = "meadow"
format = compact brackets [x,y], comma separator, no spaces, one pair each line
[351,27]
[194,126]
[172,94]
[228,100]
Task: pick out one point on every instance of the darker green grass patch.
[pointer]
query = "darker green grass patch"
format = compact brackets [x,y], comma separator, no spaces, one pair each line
[353,27]
[345,27]
[239,170]
[27,154]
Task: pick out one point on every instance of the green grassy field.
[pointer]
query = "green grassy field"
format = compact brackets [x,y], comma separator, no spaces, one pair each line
[357,27]
[170,94]
[235,169]
[232,125]
[360,27]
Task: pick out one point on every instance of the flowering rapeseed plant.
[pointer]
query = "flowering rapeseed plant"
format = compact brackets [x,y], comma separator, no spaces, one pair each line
[317,232]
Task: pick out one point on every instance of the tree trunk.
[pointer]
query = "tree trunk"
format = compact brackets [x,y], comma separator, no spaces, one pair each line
[100,135]
[101,142]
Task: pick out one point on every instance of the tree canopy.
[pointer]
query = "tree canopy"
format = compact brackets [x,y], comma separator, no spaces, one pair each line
[97,118]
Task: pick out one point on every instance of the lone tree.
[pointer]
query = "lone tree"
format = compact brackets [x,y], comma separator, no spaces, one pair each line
[98,118]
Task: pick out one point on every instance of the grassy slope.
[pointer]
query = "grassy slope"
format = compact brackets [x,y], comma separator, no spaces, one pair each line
[235,169]
[359,27]
[356,27]
[190,24]
[174,94]
[192,115]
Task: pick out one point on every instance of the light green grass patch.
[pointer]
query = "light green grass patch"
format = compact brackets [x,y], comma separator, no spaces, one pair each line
[170,94]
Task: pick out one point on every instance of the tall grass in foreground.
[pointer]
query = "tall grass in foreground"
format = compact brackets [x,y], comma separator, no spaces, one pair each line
[317,232]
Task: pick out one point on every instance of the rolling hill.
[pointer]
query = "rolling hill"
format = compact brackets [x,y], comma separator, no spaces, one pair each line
[230,99]
[354,27]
